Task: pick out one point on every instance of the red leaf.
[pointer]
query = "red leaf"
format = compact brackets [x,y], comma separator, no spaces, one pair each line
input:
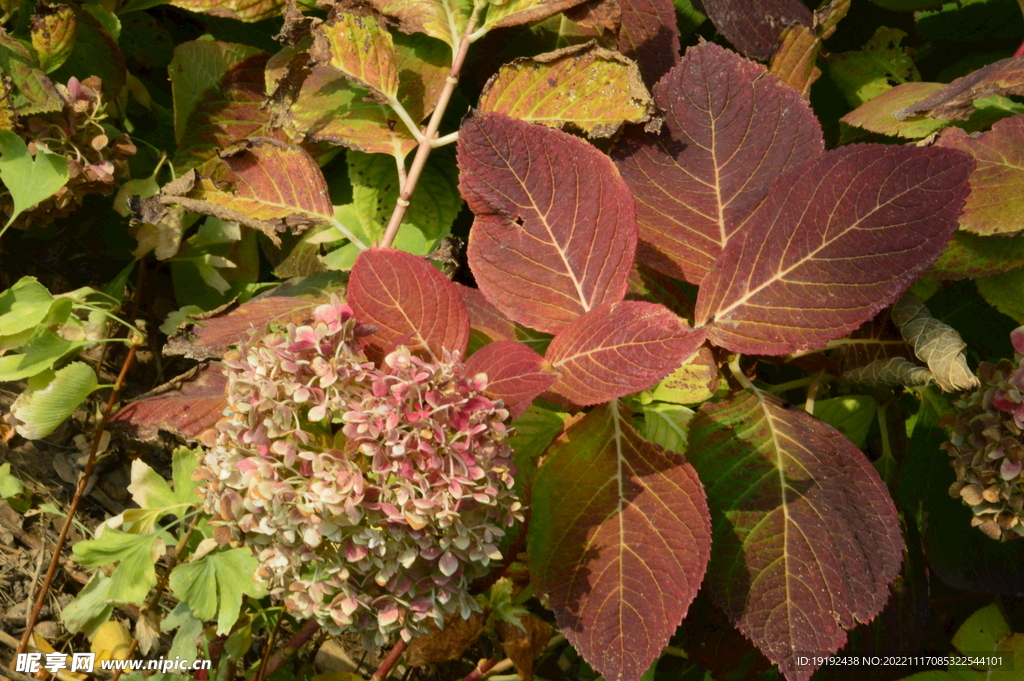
[188,405]
[650,35]
[619,541]
[409,301]
[516,374]
[555,232]
[274,173]
[806,537]
[838,238]
[212,337]
[484,317]
[730,129]
[755,26]
[619,349]
[956,101]
[230,112]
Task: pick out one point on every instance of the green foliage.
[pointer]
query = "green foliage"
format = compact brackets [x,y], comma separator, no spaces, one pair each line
[29,179]
[214,585]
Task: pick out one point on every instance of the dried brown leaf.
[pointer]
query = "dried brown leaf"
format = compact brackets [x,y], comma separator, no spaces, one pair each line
[935,343]
[445,644]
[891,372]
[524,645]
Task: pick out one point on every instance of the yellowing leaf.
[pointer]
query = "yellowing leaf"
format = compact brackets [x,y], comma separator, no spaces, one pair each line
[444,19]
[583,86]
[243,10]
[111,641]
[361,48]
[155,497]
[53,34]
[516,12]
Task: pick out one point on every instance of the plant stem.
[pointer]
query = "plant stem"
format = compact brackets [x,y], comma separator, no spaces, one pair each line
[812,392]
[75,500]
[154,598]
[385,667]
[426,143]
[301,637]
[737,372]
[270,644]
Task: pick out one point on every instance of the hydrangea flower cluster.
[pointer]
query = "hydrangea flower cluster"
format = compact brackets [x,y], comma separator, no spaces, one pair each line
[374,496]
[987,447]
[97,153]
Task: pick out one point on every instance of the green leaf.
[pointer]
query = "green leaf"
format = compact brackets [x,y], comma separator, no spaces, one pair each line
[692,383]
[22,307]
[40,411]
[665,425]
[10,486]
[135,555]
[535,428]
[851,415]
[969,256]
[39,355]
[155,497]
[29,180]
[436,203]
[444,19]
[91,608]
[197,66]
[213,586]
[883,63]
[1004,292]
[189,630]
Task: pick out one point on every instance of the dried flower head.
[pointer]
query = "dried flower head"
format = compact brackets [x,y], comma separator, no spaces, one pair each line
[988,449]
[97,153]
[374,496]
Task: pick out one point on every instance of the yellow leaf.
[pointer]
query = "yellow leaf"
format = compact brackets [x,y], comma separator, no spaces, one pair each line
[111,641]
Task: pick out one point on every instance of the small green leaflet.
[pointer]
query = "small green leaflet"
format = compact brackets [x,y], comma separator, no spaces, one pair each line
[665,425]
[155,497]
[135,555]
[39,355]
[851,415]
[28,180]
[92,606]
[10,486]
[213,586]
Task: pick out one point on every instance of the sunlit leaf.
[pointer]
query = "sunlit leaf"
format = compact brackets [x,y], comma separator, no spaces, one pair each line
[665,425]
[135,554]
[516,374]
[794,61]
[91,607]
[39,355]
[443,19]
[969,256]
[877,114]
[806,537]
[22,307]
[865,74]
[431,212]
[693,382]
[53,34]
[516,12]
[729,130]
[409,301]
[619,541]
[956,100]
[28,179]
[550,244]
[41,411]
[361,48]
[34,92]
[214,585]
[243,10]
[226,114]
[837,239]
[618,349]
[996,202]
[187,405]
[197,66]
[583,87]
